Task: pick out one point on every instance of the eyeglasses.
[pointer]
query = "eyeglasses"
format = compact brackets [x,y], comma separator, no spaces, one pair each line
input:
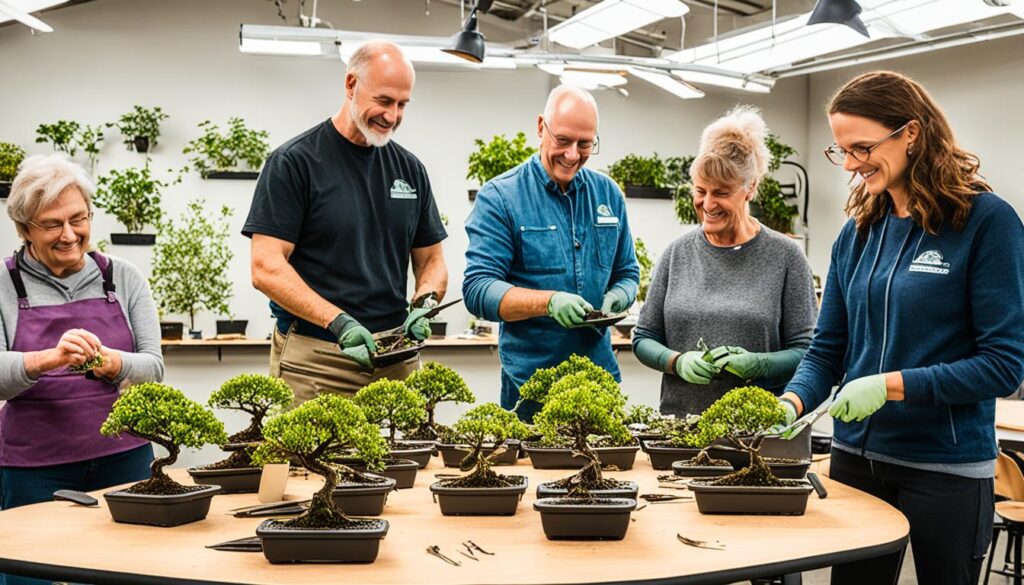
[55,226]
[837,155]
[584,146]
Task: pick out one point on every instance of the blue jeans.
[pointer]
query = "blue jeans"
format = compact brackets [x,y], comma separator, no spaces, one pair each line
[510,397]
[20,486]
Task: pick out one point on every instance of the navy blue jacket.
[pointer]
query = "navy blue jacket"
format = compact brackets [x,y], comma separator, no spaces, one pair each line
[946,310]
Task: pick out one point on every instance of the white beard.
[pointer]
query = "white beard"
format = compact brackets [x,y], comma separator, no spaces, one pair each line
[373,138]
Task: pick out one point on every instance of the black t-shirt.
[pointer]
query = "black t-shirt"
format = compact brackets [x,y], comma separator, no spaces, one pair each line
[354,214]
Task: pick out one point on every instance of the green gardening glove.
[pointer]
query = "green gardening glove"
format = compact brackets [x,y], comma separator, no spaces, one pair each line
[745,364]
[614,302]
[790,410]
[416,324]
[692,367]
[858,399]
[568,309]
[354,340]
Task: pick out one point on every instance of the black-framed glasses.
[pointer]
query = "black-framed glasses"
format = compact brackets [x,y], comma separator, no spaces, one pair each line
[837,155]
[55,226]
[584,146]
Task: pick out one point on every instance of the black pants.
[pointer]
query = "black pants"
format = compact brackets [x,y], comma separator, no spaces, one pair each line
[950,521]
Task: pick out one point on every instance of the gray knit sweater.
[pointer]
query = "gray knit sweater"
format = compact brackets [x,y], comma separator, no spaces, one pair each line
[146,365]
[758,296]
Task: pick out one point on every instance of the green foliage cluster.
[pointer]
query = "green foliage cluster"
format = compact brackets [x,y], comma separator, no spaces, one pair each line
[486,423]
[140,122]
[11,156]
[540,383]
[643,257]
[69,136]
[775,212]
[216,151]
[190,263]
[254,394]
[497,156]
[641,414]
[744,411]
[132,196]
[94,362]
[577,406]
[391,405]
[436,383]
[635,169]
[678,177]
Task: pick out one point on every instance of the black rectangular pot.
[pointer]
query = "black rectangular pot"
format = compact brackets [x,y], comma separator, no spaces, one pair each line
[679,468]
[782,500]
[243,480]
[363,500]
[438,328]
[133,239]
[236,175]
[231,327]
[420,452]
[284,545]
[501,501]
[160,510]
[585,521]
[663,457]
[171,331]
[561,458]
[5,189]
[452,455]
[544,490]
[648,192]
[403,471]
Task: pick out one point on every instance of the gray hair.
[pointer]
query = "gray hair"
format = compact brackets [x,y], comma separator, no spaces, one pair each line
[563,91]
[360,61]
[732,149]
[39,182]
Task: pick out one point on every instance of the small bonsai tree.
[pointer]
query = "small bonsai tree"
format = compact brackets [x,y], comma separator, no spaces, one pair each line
[436,383]
[497,156]
[313,434]
[641,414]
[214,151]
[190,264]
[539,384]
[69,136]
[11,156]
[391,405]
[254,394]
[485,424]
[140,127]
[163,415]
[132,196]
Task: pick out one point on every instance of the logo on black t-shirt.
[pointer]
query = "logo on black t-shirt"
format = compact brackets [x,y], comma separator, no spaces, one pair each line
[402,190]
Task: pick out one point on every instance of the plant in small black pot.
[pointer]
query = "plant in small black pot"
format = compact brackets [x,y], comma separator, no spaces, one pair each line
[140,127]
[256,395]
[312,434]
[483,431]
[436,383]
[163,415]
[132,196]
[394,407]
[218,155]
[493,158]
[11,156]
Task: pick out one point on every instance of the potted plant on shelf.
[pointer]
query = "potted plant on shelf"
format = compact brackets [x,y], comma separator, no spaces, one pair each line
[641,176]
[163,415]
[218,156]
[436,383]
[677,177]
[483,430]
[231,328]
[132,196]
[493,158]
[392,406]
[190,264]
[769,206]
[11,156]
[313,434]
[255,395]
[68,136]
[140,127]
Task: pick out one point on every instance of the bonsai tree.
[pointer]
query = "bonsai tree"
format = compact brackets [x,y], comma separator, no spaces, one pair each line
[217,152]
[540,383]
[497,156]
[132,196]
[140,127]
[391,405]
[69,136]
[255,395]
[163,415]
[436,383]
[190,264]
[634,169]
[313,434]
[484,424]
[643,257]
[11,156]
[775,212]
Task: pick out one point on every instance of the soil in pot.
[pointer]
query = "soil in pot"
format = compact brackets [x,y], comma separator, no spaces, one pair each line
[476,494]
[177,504]
[393,349]
[235,475]
[585,518]
[356,541]
[403,471]
[603,488]
[452,455]
[663,454]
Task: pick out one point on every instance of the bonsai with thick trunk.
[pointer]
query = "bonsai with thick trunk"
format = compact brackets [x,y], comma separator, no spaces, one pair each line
[255,395]
[436,383]
[485,424]
[391,405]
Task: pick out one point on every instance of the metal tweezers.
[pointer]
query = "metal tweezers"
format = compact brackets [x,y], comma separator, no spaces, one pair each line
[275,509]
[794,429]
[700,543]
[435,550]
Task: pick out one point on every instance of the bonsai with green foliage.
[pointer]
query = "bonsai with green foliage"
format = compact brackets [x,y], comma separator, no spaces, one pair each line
[69,136]
[318,431]
[140,123]
[539,384]
[641,414]
[163,415]
[436,383]
[775,212]
[254,394]
[487,424]
[219,152]
[391,405]
[643,258]
[132,196]
[190,263]
[11,156]
[497,156]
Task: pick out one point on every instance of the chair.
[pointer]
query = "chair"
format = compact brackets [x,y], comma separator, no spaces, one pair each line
[1009,484]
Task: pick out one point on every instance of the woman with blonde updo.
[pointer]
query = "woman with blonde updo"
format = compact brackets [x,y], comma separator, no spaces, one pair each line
[741,287]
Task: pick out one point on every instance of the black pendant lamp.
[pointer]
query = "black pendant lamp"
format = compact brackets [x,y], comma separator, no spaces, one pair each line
[839,12]
[469,42]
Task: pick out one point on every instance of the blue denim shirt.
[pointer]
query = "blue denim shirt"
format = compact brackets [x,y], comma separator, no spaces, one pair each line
[525,232]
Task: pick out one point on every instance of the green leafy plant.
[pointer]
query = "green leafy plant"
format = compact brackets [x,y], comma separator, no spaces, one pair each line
[254,394]
[215,151]
[643,257]
[132,196]
[634,169]
[641,414]
[537,387]
[391,405]
[139,123]
[485,425]
[324,428]
[11,156]
[163,415]
[95,361]
[497,156]
[190,263]
[774,211]
[677,177]
[436,383]
[69,136]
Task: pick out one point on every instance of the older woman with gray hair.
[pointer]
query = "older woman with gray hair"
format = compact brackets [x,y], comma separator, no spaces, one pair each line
[744,289]
[75,325]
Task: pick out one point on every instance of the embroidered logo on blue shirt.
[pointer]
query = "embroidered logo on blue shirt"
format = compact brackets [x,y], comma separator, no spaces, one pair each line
[604,210]
[931,262]
[402,190]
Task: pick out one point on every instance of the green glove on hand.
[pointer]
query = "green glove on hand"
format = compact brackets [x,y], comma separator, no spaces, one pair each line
[736,360]
[859,398]
[790,412]
[568,309]
[614,302]
[416,324]
[692,367]
[354,340]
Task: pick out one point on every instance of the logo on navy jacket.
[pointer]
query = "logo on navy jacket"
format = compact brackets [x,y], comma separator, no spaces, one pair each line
[402,190]
[931,262]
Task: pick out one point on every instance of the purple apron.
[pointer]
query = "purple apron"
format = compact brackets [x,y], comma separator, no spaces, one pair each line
[57,420]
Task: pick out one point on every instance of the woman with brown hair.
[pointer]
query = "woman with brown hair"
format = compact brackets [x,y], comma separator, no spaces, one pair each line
[920,325]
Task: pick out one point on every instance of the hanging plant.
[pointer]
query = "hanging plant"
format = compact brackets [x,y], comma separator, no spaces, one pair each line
[140,128]
[132,196]
[217,155]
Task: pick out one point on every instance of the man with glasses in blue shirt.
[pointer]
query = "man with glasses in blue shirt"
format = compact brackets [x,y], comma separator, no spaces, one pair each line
[548,242]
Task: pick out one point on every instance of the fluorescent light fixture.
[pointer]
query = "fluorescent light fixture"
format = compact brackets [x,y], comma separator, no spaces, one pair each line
[19,10]
[611,18]
[732,82]
[431,56]
[592,79]
[279,47]
[667,82]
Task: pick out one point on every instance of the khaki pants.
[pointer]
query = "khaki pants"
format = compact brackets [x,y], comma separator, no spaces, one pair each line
[311,366]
